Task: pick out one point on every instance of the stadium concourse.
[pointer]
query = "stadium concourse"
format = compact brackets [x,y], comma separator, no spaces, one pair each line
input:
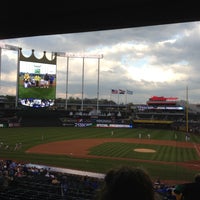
[158,112]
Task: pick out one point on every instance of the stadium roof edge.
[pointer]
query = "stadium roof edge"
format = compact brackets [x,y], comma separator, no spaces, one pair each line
[19,19]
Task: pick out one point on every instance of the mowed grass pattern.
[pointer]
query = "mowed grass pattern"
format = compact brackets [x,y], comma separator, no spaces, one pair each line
[162,153]
[32,136]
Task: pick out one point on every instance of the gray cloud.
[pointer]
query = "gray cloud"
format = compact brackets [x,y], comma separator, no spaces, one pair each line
[165,50]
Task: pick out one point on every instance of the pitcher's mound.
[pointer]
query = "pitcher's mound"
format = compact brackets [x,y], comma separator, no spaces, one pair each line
[145,150]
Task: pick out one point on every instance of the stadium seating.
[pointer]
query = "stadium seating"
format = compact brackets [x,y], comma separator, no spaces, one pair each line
[34,185]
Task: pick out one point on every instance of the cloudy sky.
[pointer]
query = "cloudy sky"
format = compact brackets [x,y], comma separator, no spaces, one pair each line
[155,60]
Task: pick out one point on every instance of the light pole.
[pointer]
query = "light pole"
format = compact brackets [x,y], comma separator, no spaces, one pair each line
[0,65]
[83,56]
[13,48]
[187,105]
[98,74]
[67,80]
[82,91]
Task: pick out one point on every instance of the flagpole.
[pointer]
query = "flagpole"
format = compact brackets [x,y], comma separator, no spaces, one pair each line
[118,99]
[126,98]
[110,97]
[126,103]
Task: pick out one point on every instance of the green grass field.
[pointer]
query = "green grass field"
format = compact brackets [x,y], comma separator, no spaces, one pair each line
[30,137]
[41,93]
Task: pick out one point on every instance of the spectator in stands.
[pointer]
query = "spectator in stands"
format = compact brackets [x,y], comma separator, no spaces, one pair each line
[170,195]
[125,183]
[1,180]
[64,186]
[189,191]
[7,179]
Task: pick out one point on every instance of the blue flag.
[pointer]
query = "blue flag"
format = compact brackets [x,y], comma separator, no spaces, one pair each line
[129,92]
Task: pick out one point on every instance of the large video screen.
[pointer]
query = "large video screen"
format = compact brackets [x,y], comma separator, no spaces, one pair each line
[37,84]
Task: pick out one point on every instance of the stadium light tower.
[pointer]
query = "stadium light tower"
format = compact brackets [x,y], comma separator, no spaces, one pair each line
[187,106]
[9,47]
[13,48]
[83,56]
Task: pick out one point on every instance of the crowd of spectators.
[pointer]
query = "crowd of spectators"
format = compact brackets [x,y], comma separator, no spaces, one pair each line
[20,181]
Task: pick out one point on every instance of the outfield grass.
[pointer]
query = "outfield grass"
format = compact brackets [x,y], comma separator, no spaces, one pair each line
[37,135]
[36,92]
[162,153]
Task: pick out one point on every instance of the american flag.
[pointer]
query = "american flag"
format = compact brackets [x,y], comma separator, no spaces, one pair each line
[113,91]
[121,91]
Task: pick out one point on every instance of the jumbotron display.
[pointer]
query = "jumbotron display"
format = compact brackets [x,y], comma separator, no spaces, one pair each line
[37,81]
